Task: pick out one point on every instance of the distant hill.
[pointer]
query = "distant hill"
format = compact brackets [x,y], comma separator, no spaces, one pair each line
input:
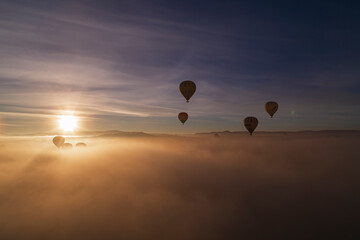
[115,133]
[284,133]
[109,133]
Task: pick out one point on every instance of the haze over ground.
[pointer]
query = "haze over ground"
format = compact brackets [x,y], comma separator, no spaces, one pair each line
[269,186]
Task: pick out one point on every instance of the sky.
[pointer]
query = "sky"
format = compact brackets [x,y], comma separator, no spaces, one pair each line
[118,64]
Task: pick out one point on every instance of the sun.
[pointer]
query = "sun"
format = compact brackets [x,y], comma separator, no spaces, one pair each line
[68,123]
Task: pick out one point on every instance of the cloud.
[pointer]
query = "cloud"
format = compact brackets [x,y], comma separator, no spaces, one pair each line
[272,186]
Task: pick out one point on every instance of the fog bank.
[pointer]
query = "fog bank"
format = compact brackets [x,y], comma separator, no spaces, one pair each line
[195,187]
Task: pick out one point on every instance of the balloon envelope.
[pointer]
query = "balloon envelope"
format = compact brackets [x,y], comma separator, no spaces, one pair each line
[187,89]
[67,146]
[271,108]
[250,123]
[58,141]
[80,144]
[183,116]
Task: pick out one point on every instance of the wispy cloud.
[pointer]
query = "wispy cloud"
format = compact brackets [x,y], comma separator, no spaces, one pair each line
[102,63]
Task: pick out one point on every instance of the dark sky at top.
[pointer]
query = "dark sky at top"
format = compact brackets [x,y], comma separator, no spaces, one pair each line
[133,54]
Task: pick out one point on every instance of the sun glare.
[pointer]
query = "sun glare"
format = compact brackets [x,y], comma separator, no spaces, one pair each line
[68,123]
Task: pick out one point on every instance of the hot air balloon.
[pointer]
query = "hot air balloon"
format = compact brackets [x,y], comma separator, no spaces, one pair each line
[187,89]
[67,146]
[250,123]
[271,108]
[80,144]
[183,116]
[58,141]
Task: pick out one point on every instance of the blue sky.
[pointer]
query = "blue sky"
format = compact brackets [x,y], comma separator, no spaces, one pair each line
[118,64]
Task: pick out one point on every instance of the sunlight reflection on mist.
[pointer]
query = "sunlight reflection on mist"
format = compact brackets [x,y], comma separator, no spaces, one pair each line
[179,187]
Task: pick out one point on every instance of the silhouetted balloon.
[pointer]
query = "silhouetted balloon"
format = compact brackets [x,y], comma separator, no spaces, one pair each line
[187,89]
[271,108]
[183,116]
[67,146]
[80,144]
[250,123]
[58,141]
